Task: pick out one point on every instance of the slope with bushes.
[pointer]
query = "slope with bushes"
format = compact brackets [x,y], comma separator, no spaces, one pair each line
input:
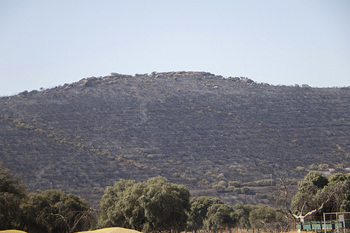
[218,136]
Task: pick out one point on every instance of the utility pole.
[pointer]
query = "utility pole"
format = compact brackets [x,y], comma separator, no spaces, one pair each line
[271,179]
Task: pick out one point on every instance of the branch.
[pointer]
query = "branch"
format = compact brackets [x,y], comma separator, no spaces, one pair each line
[63,218]
[82,216]
[285,186]
[302,208]
[314,210]
[282,193]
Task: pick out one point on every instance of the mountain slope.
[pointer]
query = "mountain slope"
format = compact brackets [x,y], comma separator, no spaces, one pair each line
[194,128]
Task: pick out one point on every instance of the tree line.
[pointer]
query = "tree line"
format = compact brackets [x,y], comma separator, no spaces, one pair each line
[159,205]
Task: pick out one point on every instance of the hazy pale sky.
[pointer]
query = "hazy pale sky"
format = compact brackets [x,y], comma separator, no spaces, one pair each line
[46,43]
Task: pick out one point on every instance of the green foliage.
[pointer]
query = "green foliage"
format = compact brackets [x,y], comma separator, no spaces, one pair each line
[266,218]
[36,211]
[235,184]
[246,190]
[219,216]
[242,214]
[54,211]
[309,193]
[12,191]
[153,205]
[166,204]
[316,191]
[51,211]
[339,184]
[221,185]
[199,210]
[317,179]
[112,207]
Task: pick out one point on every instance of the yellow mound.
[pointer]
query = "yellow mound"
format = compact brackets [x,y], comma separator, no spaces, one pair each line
[111,230]
[13,231]
[104,230]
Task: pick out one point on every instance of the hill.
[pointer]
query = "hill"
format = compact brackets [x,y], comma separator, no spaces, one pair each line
[228,137]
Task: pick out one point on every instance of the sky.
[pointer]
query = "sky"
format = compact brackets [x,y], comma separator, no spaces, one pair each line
[47,43]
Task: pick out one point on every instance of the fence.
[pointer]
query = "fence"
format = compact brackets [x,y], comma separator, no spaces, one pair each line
[331,222]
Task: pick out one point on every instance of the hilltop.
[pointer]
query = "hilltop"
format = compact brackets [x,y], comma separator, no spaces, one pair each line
[229,137]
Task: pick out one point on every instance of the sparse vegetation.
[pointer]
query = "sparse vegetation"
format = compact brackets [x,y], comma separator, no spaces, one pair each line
[194,128]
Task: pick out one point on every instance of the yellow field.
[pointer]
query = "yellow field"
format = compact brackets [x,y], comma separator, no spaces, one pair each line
[104,230]
[13,231]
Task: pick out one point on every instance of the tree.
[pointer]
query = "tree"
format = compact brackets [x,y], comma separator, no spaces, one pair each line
[54,211]
[241,213]
[317,194]
[266,218]
[113,209]
[219,216]
[36,209]
[199,210]
[166,204]
[12,192]
[310,197]
[155,204]
[339,185]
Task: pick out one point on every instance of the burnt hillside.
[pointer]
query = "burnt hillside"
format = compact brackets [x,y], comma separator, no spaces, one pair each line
[213,135]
